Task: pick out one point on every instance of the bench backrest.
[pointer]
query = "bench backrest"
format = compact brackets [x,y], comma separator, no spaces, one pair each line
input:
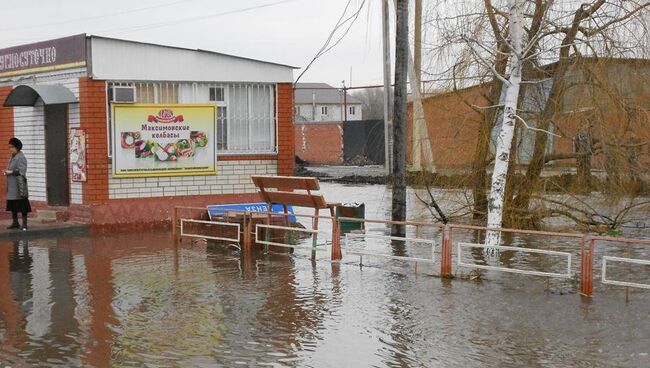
[282,190]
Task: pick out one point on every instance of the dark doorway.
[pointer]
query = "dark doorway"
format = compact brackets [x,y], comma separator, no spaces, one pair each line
[56,155]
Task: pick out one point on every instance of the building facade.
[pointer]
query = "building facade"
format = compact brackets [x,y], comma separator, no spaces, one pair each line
[607,99]
[320,102]
[320,112]
[49,101]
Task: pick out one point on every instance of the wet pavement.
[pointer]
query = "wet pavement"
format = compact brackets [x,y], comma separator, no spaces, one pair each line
[40,229]
[135,300]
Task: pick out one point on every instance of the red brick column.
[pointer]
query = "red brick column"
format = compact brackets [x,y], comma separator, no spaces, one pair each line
[286,148]
[92,109]
[6,132]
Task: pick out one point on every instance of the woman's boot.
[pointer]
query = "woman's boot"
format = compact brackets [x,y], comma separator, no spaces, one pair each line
[14,224]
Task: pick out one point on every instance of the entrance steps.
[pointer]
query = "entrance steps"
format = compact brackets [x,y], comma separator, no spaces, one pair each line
[51,215]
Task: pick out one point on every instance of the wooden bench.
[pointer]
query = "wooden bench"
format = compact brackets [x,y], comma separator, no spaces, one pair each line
[298,192]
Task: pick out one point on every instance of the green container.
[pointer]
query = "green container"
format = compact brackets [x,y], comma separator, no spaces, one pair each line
[351,210]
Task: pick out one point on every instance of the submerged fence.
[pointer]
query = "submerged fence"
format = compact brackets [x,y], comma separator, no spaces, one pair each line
[434,243]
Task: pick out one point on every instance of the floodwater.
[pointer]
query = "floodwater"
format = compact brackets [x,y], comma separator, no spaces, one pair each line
[134,300]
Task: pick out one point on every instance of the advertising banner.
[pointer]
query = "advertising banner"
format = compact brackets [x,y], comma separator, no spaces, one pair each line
[78,155]
[163,140]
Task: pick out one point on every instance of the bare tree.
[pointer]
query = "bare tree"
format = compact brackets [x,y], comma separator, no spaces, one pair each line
[475,42]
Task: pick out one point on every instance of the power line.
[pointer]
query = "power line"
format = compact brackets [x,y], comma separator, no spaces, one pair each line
[326,46]
[196,18]
[84,19]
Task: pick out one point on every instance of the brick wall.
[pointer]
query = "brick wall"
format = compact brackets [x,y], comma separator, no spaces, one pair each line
[232,177]
[319,143]
[92,114]
[6,132]
[286,148]
[452,126]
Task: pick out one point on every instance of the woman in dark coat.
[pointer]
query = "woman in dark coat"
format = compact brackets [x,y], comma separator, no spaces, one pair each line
[17,167]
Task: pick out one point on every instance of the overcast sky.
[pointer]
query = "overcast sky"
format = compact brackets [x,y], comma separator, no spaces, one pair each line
[288,32]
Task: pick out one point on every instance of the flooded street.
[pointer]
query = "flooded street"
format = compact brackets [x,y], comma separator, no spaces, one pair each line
[132,300]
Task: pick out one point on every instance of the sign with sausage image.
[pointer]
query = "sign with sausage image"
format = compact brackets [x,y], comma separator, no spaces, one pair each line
[163,140]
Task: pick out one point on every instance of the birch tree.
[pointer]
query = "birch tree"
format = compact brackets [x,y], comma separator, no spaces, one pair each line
[504,141]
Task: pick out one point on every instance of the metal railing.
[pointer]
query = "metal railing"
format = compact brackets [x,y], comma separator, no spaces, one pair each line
[586,244]
[568,273]
[183,233]
[605,280]
[264,241]
[349,238]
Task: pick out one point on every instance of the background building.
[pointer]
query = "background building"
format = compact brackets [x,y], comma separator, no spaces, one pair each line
[607,100]
[320,113]
[320,102]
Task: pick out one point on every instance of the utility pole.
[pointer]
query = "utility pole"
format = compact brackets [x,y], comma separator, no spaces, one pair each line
[417,126]
[388,113]
[399,117]
[345,104]
[417,43]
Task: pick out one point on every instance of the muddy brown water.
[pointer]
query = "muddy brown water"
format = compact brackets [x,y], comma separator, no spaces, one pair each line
[134,300]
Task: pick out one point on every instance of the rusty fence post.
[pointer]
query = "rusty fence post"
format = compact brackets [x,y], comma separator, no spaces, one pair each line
[247,226]
[336,239]
[445,254]
[587,266]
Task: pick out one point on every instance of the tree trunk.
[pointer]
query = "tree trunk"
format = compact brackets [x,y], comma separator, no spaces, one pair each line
[522,200]
[538,160]
[399,117]
[510,180]
[504,141]
[583,162]
[480,162]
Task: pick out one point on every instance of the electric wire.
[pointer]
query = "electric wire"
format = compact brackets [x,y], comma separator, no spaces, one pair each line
[326,45]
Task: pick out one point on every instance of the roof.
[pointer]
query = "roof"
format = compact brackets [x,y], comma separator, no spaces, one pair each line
[321,93]
[122,60]
[189,49]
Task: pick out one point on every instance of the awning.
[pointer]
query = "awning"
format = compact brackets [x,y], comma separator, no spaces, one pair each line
[51,94]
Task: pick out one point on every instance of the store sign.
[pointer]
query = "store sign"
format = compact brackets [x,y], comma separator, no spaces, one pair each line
[62,53]
[163,140]
[78,155]
[223,209]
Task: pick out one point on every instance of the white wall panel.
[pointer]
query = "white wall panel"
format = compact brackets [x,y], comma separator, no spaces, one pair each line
[125,60]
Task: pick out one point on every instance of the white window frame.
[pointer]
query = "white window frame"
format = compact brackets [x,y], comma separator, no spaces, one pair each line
[273,115]
[323,110]
[352,110]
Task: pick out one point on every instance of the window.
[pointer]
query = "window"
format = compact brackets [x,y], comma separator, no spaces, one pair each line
[323,110]
[222,128]
[216,94]
[245,116]
[353,110]
[251,118]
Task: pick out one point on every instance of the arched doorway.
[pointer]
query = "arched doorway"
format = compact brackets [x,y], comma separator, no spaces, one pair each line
[55,100]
